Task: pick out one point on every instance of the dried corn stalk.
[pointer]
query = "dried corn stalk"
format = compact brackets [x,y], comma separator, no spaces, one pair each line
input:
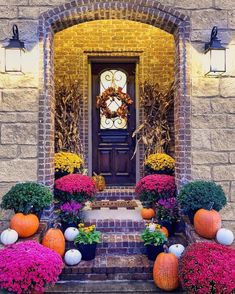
[67,115]
[154,132]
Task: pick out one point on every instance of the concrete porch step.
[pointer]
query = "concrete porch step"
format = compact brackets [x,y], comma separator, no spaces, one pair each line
[107,287]
[114,267]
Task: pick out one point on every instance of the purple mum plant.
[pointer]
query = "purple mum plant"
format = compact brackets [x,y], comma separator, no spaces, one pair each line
[168,209]
[28,266]
[69,212]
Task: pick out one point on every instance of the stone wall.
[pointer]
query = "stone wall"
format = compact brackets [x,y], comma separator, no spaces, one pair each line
[212,99]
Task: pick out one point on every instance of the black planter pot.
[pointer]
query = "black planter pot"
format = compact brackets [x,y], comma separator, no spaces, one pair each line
[168,225]
[153,251]
[190,215]
[60,174]
[64,226]
[88,251]
[179,226]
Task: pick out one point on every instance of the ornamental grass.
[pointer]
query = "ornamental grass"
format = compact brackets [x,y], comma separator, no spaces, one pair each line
[28,266]
[208,268]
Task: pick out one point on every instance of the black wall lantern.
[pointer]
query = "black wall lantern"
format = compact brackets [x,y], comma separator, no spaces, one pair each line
[13,52]
[216,55]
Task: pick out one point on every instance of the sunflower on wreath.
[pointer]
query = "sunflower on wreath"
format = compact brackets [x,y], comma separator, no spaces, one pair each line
[110,94]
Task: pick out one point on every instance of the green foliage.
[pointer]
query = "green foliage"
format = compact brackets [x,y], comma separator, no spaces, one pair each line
[201,194]
[153,238]
[87,235]
[147,198]
[27,197]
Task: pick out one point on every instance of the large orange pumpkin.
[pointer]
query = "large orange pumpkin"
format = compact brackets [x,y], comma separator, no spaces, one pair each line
[147,213]
[165,231]
[207,223]
[54,239]
[24,224]
[165,271]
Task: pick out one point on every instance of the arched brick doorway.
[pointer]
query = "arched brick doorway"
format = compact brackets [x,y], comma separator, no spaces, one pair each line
[145,11]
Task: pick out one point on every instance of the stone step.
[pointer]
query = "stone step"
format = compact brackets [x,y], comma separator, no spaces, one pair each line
[117,225]
[107,287]
[110,267]
[116,193]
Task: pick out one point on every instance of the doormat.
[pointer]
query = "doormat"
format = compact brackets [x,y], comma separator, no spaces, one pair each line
[128,204]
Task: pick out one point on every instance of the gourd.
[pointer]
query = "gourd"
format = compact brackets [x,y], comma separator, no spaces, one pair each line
[177,249]
[71,233]
[9,236]
[25,225]
[165,231]
[54,239]
[147,213]
[99,182]
[72,257]
[165,271]
[224,236]
[207,223]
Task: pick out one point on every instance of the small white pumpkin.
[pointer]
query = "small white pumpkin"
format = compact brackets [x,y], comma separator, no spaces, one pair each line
[9,236]
[225,236]
[177,249]
[72,257]
[71,233]
[152,227]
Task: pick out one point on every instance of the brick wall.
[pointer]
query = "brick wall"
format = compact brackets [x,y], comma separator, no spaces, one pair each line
[155,49]
[211,100]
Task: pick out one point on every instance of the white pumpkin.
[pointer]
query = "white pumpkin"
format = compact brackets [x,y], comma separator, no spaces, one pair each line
[152,227]
[225,236]
[177,249]
[71,233]
[72,257]
[9,236]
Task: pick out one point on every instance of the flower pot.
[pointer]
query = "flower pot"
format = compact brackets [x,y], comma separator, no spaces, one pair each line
[88,251]
[167,225]
[190,215]
[179,226]
[153,251]
[59,174]
[64,225]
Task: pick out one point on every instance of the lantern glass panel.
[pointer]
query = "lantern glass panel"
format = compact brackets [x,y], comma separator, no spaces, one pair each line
[13,60]
[217,60]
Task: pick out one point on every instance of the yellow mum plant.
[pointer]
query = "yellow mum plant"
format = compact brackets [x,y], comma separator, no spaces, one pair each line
[160,163]
[68,162]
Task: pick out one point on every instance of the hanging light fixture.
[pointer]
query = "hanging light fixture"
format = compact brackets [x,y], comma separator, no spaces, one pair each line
[215,54]
[13,52]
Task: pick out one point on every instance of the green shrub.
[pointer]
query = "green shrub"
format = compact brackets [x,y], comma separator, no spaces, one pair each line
[27,197]
[201,194]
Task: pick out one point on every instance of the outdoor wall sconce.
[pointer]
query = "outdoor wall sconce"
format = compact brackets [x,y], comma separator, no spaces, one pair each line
[216,55]
[13,52]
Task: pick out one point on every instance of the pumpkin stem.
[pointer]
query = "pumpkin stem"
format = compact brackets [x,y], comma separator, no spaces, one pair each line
[95,174]
[57,225]
[166,249]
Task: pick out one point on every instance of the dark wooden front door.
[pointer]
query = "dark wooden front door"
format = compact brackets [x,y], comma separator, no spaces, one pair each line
[112,142]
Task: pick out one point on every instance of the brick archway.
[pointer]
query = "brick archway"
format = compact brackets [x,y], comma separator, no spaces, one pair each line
[145,11]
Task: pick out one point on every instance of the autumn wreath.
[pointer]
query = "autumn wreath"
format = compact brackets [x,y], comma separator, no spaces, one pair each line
[111,93]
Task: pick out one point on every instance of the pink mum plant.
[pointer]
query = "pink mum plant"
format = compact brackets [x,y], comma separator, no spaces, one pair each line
[154,187]
[76,187]
[28,266]
[208,268]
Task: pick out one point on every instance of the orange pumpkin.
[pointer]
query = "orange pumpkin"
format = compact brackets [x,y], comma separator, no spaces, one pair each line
[147,213]
[207,223]
[165,271]
[99,182]
[54,239]
[165,231]
[24,224]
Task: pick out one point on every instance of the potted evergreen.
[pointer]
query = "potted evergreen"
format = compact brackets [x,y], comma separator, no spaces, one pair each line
[87,240]
[200,194]
[154,240]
